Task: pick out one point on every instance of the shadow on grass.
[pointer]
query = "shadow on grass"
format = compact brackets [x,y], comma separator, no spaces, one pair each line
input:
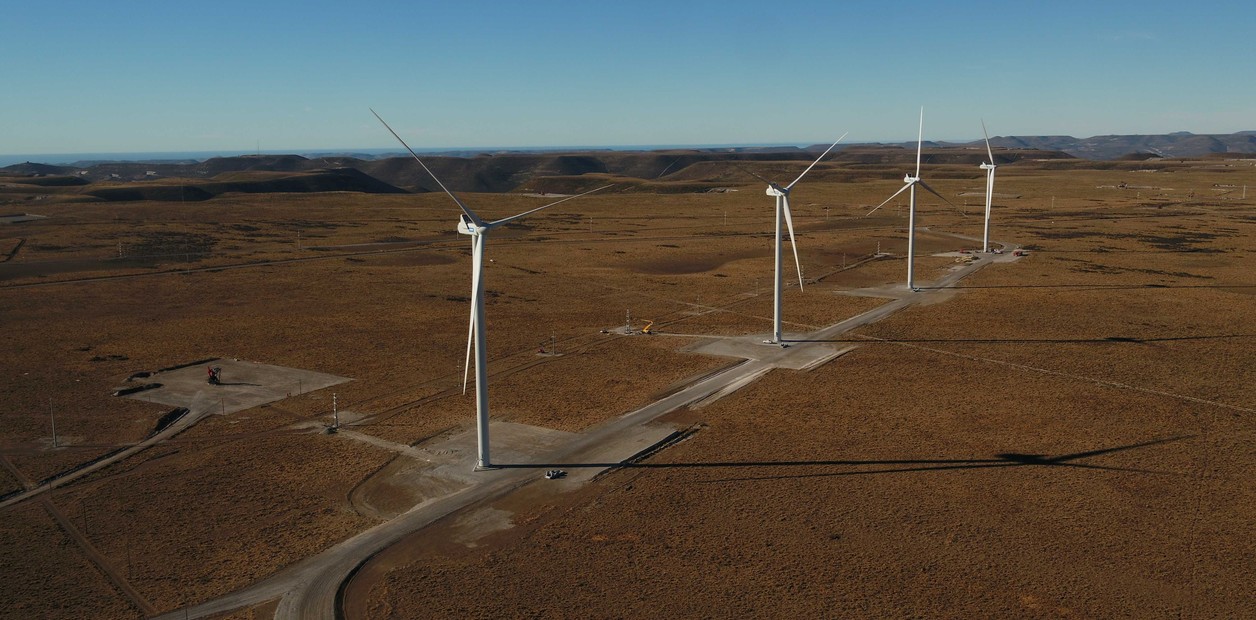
[1084,287]
[893,466]
[1104,340]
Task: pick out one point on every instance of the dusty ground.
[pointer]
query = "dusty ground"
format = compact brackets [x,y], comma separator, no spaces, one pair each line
[1129,324]
[1077,448]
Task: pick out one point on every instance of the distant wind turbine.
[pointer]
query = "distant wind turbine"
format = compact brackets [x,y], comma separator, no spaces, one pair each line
[470,224]
[989,168]
[782,207]
[909,183]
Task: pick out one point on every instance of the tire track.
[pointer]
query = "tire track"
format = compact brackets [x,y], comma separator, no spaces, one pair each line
[96,557]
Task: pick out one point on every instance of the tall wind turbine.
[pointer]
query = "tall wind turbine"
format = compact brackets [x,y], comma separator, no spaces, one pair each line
[782,207]
[909,183]
[470,224]
[989,168]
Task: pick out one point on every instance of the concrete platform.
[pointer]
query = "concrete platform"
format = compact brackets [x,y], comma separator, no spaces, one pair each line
[753,347]
[445,466]
[244,385]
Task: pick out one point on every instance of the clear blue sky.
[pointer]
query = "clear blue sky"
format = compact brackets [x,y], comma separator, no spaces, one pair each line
[130,76]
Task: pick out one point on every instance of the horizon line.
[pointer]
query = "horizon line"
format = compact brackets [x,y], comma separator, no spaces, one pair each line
[75,157]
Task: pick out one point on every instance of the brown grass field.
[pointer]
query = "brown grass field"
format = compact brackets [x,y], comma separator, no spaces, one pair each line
[1069,435]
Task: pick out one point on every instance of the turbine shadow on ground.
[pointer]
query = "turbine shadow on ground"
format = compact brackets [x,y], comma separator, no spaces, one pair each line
[1094,287]
[1104,340]
[890,466]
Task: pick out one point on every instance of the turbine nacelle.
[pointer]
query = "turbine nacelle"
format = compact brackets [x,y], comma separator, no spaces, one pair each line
[777,190]
[467,227]
[909,179]
[989,151]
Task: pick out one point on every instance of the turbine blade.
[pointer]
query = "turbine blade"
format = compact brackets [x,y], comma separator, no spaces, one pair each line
[943,197]
[987,135]
[751,173]
[474,218]
[477,262]
[515,217]
[920,139]
[789,223]
[935,193]
[887,200]
[826,152]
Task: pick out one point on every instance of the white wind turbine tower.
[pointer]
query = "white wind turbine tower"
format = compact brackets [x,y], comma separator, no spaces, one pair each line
[989,168]
[470,224]
[910,182]
[782,208]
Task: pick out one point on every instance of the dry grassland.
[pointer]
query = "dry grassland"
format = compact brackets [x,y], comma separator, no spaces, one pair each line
[886,497]
[790,500]
[901,480]
[39,557]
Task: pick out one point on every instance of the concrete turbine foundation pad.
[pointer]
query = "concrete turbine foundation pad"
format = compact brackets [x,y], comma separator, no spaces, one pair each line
[244,385]
[445,466]
[794,357]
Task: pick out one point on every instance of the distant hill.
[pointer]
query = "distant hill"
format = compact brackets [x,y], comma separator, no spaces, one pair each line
[670,170]
[665,170]
[1174,145]
[256,182]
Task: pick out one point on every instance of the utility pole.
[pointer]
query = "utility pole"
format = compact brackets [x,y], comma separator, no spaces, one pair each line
[335,415]
[52,418]
[628,321]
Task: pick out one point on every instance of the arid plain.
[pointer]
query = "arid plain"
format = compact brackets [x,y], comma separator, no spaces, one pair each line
[1066,435]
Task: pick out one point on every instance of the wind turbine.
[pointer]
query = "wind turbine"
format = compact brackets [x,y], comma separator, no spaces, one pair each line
[470,224]
[989,168]
[782,207]
[909,183]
